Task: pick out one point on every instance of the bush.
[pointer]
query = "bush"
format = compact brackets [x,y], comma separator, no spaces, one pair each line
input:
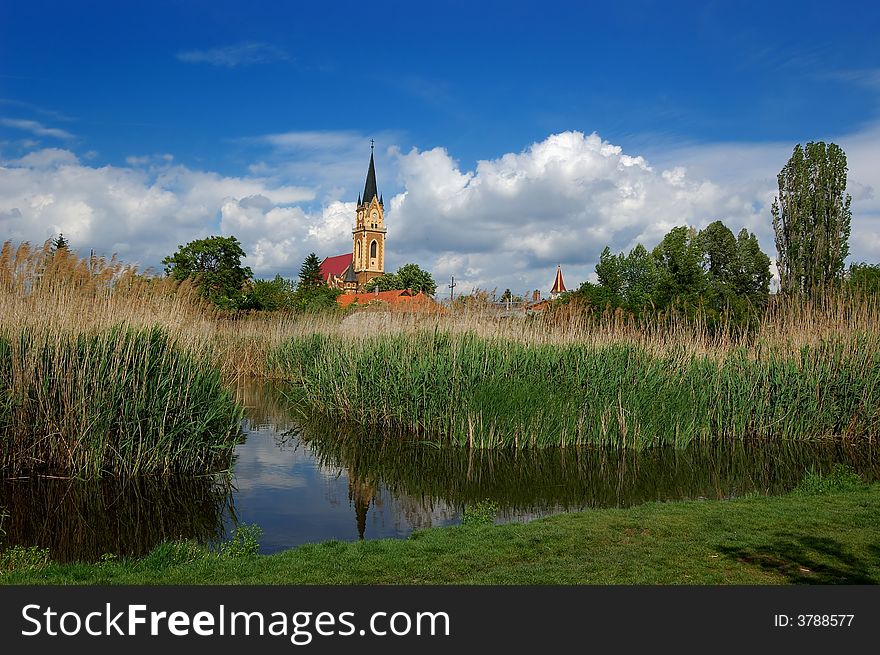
[841,479]
[483,513]
[23,558]
[243,543]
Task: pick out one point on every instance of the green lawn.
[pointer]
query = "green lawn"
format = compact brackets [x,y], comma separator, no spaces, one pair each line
[799,538]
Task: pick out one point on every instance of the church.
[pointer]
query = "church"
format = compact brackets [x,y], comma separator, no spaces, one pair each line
[352,271]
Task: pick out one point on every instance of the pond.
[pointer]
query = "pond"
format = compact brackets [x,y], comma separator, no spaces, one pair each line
[303,482]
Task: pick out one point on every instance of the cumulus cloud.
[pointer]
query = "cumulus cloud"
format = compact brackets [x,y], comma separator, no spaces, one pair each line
[233,56]
[502,223]
[512,219]
[143,215]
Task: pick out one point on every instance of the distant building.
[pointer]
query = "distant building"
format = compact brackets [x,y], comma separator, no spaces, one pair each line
[351,272]
[558,284]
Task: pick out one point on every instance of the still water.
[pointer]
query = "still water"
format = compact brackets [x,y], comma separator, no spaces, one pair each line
[303,482]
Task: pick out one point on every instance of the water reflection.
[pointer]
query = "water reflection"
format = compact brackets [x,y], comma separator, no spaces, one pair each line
[83,520]
[344,482]
[528,483]
[302,481]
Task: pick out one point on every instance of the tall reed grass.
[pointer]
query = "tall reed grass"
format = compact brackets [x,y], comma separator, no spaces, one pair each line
[809,369]
[466,389]
[92,384]
[121,401]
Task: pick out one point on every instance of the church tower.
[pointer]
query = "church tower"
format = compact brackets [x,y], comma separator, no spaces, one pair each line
[368,250]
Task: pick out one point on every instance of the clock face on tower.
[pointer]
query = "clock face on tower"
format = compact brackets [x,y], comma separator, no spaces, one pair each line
[375,215]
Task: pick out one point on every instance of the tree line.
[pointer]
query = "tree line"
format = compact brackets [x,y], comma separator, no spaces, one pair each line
[711,272]
[720,276]
[214,264]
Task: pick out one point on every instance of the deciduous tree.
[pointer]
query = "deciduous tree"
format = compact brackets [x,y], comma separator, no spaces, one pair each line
[214,264]
[811,218]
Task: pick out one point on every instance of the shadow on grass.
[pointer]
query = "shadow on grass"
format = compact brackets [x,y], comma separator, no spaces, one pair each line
[811,560]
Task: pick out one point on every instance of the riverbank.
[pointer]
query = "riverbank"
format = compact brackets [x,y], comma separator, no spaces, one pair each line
[825,532]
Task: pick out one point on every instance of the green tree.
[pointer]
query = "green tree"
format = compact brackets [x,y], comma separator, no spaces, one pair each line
[384,282]
[314,298]
[597,296]
[310,271]
[710,272]
[720,252]
[737,270]
[415,279]
[679,257]
[271,295]
[753,269]
[610,271]
[641,277]
[811,218]
[409,276]
[627,281]
[214,264]
[311,294]
[864,278]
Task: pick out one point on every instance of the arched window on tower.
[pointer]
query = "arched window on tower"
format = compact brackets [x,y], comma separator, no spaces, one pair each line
[357,258]
[373,248]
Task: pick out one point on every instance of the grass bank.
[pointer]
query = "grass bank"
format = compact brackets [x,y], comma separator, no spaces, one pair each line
[480,391]
[819,534]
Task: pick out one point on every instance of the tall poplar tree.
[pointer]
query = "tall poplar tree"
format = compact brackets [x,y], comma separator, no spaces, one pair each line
[811,218]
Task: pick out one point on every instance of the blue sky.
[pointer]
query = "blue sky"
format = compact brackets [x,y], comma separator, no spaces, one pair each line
[254,119]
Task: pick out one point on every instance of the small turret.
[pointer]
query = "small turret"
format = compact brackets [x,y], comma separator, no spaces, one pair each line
[558,284]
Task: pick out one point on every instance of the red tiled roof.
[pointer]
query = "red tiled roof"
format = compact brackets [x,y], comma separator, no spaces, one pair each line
[402,299]
[334,265]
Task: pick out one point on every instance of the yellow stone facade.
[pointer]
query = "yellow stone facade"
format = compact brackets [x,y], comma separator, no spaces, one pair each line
[368,241]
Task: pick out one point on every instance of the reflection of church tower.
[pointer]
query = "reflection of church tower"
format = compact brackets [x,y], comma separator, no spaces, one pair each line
[360,494]
[368,251]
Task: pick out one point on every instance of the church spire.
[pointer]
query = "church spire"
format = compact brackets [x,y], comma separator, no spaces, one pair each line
[558,284]
[370,189]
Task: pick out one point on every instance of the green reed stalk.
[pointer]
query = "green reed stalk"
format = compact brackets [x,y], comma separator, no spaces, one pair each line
[486,392]
[119,401]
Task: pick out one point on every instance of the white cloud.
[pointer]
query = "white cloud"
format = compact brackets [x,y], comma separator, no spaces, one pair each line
[333,160]
[508,222]
[559,201]
[144,215]
[143,160]
[233,56]
[35,127]
[505,223]
[46,158]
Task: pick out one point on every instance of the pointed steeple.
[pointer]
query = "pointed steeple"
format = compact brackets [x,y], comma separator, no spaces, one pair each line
[350,276]
[370,190]
[558,284]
